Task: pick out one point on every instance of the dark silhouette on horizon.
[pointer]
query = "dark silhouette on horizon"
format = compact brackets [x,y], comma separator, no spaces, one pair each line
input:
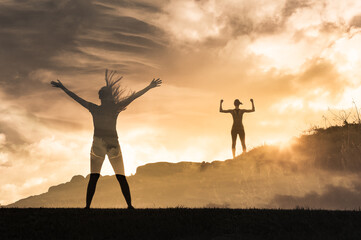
[105,139]
[237,127]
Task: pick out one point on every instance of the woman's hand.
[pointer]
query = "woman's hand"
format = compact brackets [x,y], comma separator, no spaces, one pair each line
[57,84]
[251,100]
[221,101]
[155,83]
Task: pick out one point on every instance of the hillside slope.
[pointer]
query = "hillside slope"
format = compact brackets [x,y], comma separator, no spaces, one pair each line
[318,170]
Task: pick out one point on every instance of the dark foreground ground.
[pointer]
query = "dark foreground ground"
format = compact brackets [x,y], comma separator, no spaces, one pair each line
[178,223]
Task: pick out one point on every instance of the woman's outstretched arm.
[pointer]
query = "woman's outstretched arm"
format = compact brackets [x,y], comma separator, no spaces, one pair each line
[253,108]
[82,102]
[155,83]
[221,109]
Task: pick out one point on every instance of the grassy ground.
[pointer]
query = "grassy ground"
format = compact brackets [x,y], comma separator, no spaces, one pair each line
[178,223]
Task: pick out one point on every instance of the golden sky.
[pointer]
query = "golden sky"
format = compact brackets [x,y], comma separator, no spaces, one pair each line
[295,58]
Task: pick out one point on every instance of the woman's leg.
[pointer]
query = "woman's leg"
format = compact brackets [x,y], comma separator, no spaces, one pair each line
[234,139]
[91,188]
[125,189]
[97,155]
[242,136]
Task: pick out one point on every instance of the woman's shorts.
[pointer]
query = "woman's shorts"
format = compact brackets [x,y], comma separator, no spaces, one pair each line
[109,147]
[238,131]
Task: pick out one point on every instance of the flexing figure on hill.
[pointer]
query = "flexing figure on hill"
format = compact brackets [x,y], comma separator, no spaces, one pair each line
[105,140]
[237,127]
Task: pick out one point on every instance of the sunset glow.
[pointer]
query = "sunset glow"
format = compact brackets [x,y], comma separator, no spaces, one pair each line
[296,58]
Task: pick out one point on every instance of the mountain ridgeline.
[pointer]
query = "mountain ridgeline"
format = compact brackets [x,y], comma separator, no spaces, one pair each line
[317,170]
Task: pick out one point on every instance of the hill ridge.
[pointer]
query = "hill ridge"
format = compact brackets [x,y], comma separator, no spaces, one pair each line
[325,162]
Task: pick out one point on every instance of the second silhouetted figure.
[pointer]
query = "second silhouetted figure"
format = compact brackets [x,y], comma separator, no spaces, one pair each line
[237,127]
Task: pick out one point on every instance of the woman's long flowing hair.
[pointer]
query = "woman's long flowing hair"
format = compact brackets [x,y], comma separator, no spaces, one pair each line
[115,89]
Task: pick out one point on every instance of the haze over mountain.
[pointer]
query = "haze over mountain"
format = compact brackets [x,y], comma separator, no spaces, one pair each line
[318,170]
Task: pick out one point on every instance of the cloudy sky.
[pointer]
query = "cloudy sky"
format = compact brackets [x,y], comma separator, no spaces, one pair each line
[295,58]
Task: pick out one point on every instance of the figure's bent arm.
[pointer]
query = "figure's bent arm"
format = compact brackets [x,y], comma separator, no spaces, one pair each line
[81,101]
[221,109]
[131,98]
[253,108]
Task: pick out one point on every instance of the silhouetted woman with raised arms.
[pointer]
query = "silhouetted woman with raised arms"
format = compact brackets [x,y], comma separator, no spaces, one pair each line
[237,127]
[105,139]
